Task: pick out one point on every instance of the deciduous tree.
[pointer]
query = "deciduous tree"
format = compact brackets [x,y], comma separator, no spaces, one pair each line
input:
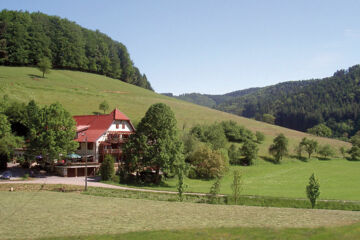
[104,106]
[279,147]
[44,65]
[313,190]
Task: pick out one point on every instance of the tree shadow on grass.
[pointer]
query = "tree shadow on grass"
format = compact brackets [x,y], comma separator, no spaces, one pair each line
[296,157]
[324,158]
[269,159]
[34,76]
[97,113]
[351,159]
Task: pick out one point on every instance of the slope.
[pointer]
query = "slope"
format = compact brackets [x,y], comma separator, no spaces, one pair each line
[81,93]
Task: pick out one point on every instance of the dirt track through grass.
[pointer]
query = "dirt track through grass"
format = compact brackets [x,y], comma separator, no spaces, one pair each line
[49,214]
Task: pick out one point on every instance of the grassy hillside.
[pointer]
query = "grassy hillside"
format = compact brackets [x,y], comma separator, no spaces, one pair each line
[51,214]
[81,93]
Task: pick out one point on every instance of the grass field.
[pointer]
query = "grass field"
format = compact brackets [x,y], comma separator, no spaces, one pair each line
[81,93]
[345,233]
[51,214]
[338,178]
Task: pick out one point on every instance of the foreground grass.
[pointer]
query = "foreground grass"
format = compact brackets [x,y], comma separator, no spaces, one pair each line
[346,233]
[190,198]
[52,214]
[338,179]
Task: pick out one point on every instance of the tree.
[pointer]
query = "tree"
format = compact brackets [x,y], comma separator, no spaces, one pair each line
[234,154]
[107,168]
[313,190]
[268,118]
[207,163]
[326,151]
[236,185]
[343,151]
[8,141]
[104,106]
[249,149]
[320,130]
[44,65]
[52,131]
[215,190]
[310,146]
[260,137]
[180,172]
[355,149]
[279,147]
[156,143]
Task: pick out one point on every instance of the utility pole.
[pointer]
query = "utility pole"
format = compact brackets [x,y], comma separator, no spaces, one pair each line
[86,157]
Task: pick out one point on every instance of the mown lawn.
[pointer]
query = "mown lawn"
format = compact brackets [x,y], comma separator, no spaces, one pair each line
[345,233]
[339,179]
[32,215]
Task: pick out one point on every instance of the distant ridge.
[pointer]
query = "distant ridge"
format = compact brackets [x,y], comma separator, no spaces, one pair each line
[300,105]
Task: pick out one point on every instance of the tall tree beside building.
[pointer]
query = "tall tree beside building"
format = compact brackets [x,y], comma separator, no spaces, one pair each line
[156,143]
[52,131]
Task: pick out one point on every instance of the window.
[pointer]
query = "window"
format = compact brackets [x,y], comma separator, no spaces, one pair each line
[123,125]
[90,145]
[117,125]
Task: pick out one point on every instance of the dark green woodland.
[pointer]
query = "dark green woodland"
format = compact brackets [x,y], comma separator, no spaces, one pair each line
[26,38]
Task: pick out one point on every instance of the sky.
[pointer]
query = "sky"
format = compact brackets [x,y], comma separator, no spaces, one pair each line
[219,46]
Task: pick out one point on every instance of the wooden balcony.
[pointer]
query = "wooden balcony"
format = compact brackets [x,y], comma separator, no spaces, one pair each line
[111,151]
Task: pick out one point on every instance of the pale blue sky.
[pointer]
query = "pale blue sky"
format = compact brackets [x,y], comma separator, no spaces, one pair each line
[221,46]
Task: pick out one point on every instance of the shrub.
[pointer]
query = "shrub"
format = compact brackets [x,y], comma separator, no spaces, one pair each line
[214,191]
[210,134]
[313,190]
[207,163]
[249,149]
[320,130]
[236,186]
[107,168]
[260,137]
[326,151]
[234,154]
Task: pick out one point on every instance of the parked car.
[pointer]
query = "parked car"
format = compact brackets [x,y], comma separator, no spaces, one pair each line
[6,175]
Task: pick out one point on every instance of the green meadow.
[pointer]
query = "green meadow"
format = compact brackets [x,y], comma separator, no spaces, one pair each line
[43,214]
[81,93]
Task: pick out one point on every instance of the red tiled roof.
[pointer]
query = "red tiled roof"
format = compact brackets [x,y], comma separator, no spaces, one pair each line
[93,126]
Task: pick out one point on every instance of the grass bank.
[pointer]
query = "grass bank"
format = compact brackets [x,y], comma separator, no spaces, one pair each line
[44,214]
[345,233]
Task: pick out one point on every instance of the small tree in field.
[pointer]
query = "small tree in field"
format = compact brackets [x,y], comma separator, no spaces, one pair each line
[326,151]
[214,190]
[236,186]
[310,146]
[107,168]
[249,149]
[279,148]
[104,106]
[44,65]
[180,172]
[260,137]
[313,190]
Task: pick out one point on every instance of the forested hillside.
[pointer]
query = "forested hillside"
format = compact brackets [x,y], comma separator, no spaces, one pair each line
[333,102]
[26,38]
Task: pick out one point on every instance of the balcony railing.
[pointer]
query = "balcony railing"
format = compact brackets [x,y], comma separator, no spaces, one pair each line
[111,151]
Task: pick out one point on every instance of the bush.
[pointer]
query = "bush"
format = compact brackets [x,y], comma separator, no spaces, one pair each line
[260,137]
[107,168]
[326,151]
[320,130]
[279,147]
[234,155]
[249,150]
[207,163]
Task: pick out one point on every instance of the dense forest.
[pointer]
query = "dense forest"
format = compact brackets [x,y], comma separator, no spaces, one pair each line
[332,102]
[26,38]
